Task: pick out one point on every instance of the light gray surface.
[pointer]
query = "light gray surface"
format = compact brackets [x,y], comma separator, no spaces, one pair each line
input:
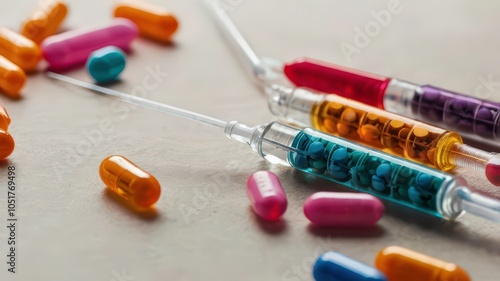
[71,229]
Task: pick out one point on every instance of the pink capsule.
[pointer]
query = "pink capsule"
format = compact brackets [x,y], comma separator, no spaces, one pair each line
[72,48]
[335,209]
[266,195]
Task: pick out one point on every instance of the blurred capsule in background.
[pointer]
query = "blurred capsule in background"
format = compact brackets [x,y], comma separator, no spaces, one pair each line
[347,210]
[7,143]
[333,266]
[154,22]
[12,78]
[403,264]
[45,21]
[266,195]
[20,50]
[129,181]
[72,48]
[106,64]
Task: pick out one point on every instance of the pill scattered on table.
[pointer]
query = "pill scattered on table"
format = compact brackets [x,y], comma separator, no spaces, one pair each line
[154,22]
[398,264]
[12,78]
[7,143]
[333,266]
[106,64]
[349,210]
[266,195]
[20,50]
[45,21]
[72,48]
[130,181]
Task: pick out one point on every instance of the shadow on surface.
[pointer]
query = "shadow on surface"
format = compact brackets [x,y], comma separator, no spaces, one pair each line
[149,214]
[375,231]
[269,227]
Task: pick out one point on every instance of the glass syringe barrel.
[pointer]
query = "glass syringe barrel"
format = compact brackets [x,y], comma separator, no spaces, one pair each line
[377,128]
[472,117]
[366,170]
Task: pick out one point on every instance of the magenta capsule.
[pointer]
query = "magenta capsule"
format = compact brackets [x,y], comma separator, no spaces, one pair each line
[266,195]
[72,48]
[335,209]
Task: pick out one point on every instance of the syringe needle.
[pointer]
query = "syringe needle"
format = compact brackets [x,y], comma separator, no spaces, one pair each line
[172,110]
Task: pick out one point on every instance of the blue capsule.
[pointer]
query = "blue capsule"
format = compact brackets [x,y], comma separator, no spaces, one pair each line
[332,266]
[106,64]
[316,150]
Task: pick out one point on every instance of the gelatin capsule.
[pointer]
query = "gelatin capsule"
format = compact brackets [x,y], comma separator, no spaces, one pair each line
[153,22]
[106,64]
[403,264]
[18,49]
[45,21]
[129,181]
[12,78]
[266,195]
[335,209]
[72,48]
[4,119]
[333,266]
[6,144]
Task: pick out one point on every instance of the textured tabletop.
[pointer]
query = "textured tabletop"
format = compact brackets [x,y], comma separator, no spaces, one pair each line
[70,228]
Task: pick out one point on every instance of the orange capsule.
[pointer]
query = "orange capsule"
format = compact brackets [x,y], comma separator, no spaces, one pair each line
[4,118]
[398,264]
[19,49]
[129,181]
[12,79]
[45,21]
[153,22]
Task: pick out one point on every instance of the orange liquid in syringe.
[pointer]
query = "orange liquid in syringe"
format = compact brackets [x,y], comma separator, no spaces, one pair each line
[391,133]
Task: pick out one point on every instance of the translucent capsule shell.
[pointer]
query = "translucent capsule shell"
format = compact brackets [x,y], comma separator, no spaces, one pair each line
[18,49]
[403,264]
[266,195]
[12,78]
[335,209]
[154,22]
[45,21]
[332,266]
[7,144]
[72,48]
[129,181]
[4,118]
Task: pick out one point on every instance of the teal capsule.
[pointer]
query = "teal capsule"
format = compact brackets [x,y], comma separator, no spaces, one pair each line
[333,266]
[106,64]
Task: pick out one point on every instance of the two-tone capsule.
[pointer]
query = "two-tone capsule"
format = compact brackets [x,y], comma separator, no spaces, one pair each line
[6,141]
[106,64]
[12,78]
[45,21]
[72,48]
[333,266]
[266,195]
[129,181]
[18,49]
[153,22]
[403,264]
[335,209]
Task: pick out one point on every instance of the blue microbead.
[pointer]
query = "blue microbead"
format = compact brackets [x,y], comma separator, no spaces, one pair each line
[300,161]
[384,171]
[340,155]
[364,179]
[414,195]
[319,164]
[106,64]
[378,183]
[424,180]
[340,175]
[316,150]
[405,172]
[333,266]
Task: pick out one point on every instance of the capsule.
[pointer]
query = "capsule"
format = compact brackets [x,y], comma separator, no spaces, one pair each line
[4,118]
[6,141]
[154,22]
[18,49]
[106,64]
[12,78]
[335,209]
[403,264]
[45,21]
[129,181]
[266,195]
[332,266]
[72,48]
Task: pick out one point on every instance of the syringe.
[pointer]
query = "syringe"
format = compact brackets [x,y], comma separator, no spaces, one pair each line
[341,161]
[392,133]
